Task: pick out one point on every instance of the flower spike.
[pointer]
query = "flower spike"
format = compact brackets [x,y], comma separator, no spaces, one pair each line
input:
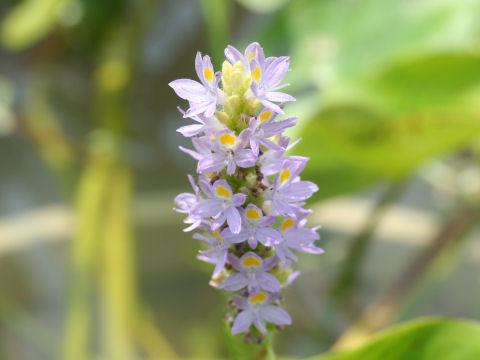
[248,199]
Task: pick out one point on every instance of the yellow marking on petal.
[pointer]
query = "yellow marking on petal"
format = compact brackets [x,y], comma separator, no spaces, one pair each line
[213,137]
[284,175]
[223,192]
[287,224]
[260,297]
[215,232]
[227,139]
[251,56]
[256,73]
[264,116]
[251,261]
[253,214]
[208,74]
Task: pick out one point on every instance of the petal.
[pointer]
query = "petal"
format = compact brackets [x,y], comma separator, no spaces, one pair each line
[234,282]
[268,282]
[253,288]
[298,191]
[207,208]
[194,154]
[221,260]
[238,199]
[211,163]
[260,324]
[235,238]
[291,278]
[277,127]
[276,315]
[252,242]
[240,302]
[235,261]
[279,96]
[233,55]
[269,104]
[269,263]
[190,90]
[231,166]
[206,106]
[234,220]
[276,71]
[267,236]
[284,208]
[190,130]
[245,158]
[242,322]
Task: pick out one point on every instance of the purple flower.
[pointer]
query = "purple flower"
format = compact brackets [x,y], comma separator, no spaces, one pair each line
[255,227]
[186,202]
[252,273]
[296,236]
[266,76]
[218,254]
[227,150]
[203,97]
[221,206]
[288,190]
[257,310]
[264,126]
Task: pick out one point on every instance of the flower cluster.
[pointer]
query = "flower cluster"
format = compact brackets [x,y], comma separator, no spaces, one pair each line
[247,201]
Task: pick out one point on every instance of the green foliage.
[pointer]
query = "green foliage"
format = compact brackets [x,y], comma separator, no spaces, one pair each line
[264,6]
[394,83]
[352,145]
[217,20]
[28,22]
[429,81]
[426,339]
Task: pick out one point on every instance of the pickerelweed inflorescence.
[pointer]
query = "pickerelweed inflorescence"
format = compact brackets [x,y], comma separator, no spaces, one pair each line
[248,199]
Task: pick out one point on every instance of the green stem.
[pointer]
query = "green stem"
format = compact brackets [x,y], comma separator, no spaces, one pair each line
[238,349]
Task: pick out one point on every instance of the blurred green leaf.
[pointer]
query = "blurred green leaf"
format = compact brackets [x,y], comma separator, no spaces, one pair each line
[336,43]
[28,22]
[427,82]
[353,145]
[217,20]
[386,84]
[264,6]
[425,339]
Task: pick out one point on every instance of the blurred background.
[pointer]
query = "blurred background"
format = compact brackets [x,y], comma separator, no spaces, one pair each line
[93,262]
